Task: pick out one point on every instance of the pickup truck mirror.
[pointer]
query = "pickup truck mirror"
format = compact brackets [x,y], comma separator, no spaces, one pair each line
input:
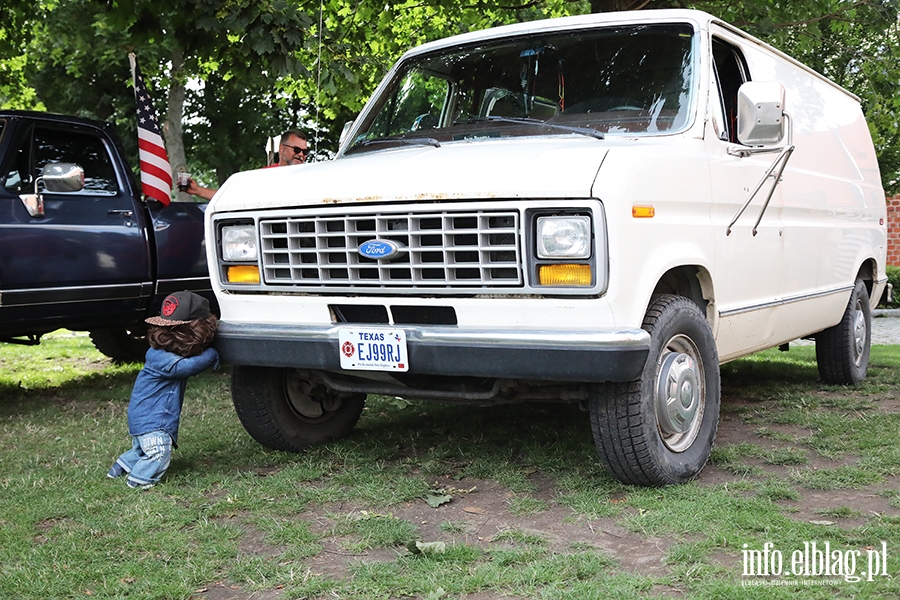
[57,177]
[62,177]
[760,113]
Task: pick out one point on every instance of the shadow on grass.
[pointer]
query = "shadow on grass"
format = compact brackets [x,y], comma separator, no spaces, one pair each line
[435,438]
[798,366]
[19,400]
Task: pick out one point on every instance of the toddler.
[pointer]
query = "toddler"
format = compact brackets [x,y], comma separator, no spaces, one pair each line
[179,348]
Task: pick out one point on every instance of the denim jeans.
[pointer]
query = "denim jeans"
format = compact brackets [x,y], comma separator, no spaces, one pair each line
[148,458]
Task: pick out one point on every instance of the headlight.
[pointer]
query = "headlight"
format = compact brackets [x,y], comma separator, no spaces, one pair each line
[239,243]
[564,237]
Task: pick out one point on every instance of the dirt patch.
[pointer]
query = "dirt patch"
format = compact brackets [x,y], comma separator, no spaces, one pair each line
[864,504]
[222,591]
[483,512]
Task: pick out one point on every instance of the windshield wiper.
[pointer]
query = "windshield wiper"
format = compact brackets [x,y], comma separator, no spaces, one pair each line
[537,122]
[394,140]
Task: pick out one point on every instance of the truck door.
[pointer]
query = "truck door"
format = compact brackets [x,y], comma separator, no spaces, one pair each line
[748,263]
[180,250]
[85,261]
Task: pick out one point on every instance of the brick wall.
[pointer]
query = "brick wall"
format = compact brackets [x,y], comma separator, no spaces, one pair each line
[893,246]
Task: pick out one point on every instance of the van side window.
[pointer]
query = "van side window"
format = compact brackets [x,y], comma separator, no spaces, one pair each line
[731,72]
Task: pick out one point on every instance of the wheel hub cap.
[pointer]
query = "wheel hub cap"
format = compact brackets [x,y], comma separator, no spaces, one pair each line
[299,395]
[678,394]
[859,333]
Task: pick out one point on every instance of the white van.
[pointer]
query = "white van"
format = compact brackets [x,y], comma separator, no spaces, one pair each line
[596,209]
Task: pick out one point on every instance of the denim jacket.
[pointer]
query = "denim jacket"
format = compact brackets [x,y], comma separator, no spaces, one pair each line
[159,390]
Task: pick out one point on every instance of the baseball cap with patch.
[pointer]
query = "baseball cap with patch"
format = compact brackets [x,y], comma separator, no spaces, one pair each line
[180,308]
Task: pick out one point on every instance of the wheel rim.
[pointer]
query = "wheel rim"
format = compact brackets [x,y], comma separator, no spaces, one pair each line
[305,404]
[680,393]
[859,333]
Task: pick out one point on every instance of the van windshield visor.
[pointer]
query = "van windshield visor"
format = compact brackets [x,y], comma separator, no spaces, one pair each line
[627,80]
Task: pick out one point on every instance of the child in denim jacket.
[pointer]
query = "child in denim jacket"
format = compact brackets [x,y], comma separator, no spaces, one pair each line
[179,348]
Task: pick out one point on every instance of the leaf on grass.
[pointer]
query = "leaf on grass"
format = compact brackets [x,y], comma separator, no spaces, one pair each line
[427,547]
[435,500]
[399,403]
[436,594]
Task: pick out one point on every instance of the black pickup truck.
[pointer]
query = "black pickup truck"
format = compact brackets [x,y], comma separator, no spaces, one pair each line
[86,257]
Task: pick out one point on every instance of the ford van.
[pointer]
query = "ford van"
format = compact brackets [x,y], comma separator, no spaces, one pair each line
[598,209]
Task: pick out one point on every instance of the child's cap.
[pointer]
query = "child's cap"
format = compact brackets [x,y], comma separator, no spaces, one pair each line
[180,308]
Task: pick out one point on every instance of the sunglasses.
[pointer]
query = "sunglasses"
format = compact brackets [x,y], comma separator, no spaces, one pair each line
[297,149]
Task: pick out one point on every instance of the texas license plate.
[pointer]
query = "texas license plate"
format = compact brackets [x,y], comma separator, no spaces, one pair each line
[373,349]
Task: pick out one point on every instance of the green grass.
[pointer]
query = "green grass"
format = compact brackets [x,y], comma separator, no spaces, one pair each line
[531,513]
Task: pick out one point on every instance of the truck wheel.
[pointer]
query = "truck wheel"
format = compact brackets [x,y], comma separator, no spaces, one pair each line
[659,430]
[121,345]
[842,351]
[283,410]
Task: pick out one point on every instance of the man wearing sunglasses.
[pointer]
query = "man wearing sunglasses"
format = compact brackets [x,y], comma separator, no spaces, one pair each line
[292,150]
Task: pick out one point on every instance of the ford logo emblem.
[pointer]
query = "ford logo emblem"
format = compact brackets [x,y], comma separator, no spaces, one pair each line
[379,249]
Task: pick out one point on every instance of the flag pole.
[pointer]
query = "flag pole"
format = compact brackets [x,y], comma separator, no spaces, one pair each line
[133,62]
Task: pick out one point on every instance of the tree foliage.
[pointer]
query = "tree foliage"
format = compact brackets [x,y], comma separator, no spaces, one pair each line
[227,74]
[854,43]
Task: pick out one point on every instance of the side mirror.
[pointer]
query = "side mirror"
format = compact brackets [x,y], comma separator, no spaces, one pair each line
[62,177]
[760,113]
[57,177]
[345,132]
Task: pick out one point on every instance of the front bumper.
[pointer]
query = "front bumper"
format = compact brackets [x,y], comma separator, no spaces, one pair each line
[593,356]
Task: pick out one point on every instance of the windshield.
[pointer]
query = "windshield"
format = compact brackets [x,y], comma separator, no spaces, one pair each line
[632,80]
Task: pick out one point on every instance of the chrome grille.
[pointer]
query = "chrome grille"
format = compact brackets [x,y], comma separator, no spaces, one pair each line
[442,249]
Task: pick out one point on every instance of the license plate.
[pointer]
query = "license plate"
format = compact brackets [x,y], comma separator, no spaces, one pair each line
[373,349]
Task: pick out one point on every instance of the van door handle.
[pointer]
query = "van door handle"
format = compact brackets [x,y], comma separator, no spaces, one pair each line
[122,213]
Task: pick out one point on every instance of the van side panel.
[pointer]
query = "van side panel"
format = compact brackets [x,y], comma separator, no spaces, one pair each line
[831,196]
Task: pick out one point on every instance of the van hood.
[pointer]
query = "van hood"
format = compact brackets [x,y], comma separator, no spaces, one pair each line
[538,167]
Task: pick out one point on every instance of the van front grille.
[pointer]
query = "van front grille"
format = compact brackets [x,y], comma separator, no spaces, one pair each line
[440,249]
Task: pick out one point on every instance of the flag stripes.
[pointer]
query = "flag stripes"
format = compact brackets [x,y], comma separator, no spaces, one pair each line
[156,173]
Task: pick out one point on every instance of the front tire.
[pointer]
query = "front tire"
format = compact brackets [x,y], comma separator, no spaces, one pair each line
[121,345]
[283,410]
[659,430]
[842,351]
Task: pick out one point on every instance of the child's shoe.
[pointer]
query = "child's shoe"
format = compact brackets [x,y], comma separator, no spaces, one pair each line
[115,471]
[135,485]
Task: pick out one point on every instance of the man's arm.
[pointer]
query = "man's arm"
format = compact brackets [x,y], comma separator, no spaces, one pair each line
[198,190]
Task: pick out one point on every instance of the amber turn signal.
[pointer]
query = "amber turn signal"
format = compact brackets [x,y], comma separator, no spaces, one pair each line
[643,212]
[565,275]
[242,274]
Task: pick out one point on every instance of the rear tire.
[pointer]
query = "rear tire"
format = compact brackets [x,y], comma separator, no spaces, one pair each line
[281,409]
[842,351]
[659,430]
[121,345]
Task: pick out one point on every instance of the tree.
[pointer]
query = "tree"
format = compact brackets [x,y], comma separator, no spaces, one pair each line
[231,73]
[77,57]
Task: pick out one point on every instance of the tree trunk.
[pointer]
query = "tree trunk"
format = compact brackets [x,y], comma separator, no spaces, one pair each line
[172,131]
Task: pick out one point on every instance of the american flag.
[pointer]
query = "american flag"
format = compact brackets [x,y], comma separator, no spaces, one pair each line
[156,174]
